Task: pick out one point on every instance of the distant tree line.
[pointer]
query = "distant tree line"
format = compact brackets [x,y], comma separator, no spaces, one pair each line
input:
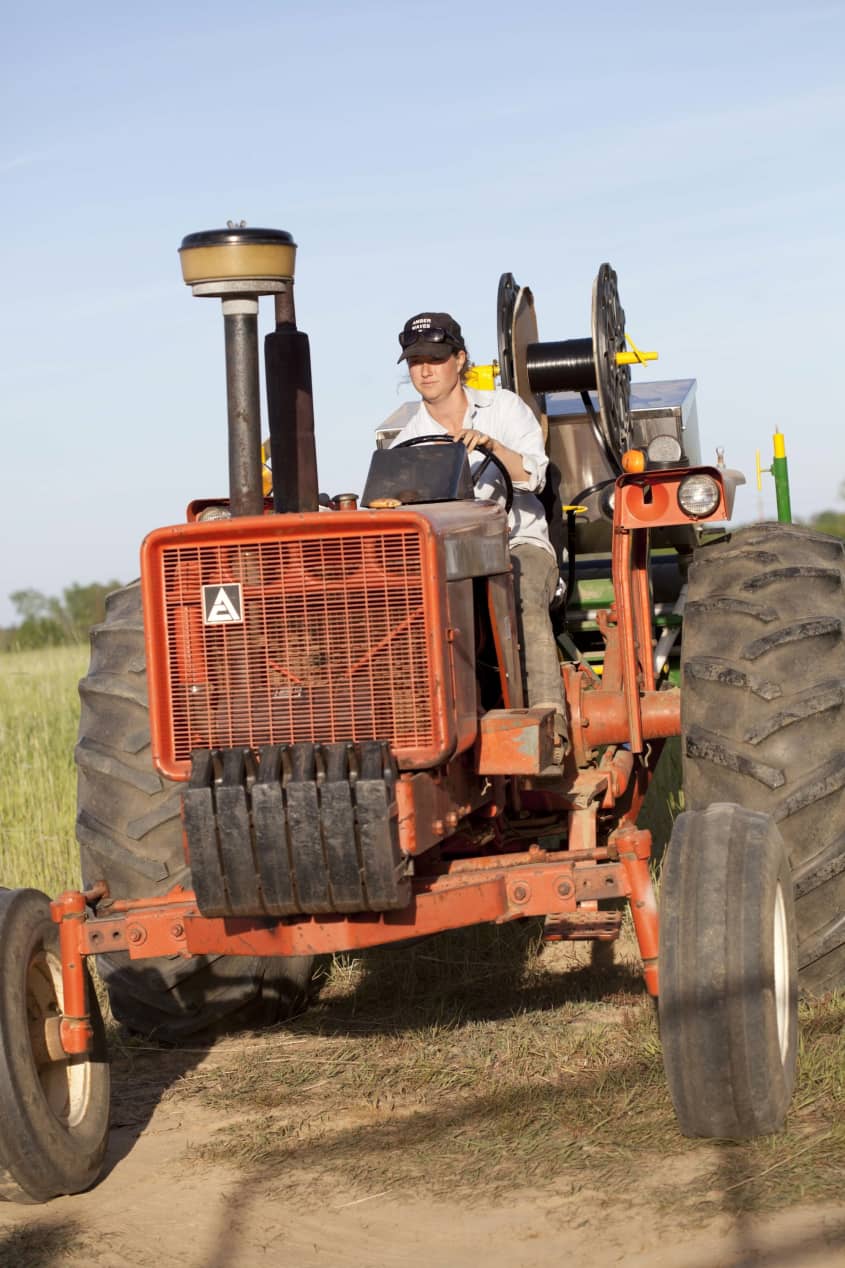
[832,522]
[46,621]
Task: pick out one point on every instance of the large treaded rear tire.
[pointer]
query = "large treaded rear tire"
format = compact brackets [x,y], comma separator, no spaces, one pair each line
[763,711]
[130,835]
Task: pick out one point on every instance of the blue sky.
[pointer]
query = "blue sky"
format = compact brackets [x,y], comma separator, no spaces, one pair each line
[415,153]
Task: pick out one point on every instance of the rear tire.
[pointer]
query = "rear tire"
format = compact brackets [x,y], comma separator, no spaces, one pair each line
[54,1114]
[130,835]
[763,711]
[728,973]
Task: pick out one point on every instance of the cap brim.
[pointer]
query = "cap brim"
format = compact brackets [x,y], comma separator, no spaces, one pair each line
[433,351]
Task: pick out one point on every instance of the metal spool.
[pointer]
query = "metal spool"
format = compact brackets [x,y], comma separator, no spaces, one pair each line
[516,323]
[572,365]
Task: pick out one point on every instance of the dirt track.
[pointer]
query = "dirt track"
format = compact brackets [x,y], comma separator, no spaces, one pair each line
[160,1205]
[154,1208]
[443,1108]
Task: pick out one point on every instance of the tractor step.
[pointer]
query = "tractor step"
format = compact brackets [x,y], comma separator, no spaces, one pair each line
[572,926]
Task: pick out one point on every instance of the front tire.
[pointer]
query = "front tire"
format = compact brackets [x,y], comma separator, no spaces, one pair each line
[54,1109]
[728,973]
[130,835]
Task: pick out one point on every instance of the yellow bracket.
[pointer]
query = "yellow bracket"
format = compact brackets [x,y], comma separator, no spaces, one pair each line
[266,473]
[635,356]
[779,451]
[578,510]
[483,377]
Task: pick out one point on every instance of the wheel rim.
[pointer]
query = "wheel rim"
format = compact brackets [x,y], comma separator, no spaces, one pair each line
[782,959]
[65,1080]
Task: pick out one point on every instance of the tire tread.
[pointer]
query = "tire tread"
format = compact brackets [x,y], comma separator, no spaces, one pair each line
[763,713]
[130,835]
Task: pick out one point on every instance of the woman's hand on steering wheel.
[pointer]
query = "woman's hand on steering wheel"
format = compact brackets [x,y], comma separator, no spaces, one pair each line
[474,441]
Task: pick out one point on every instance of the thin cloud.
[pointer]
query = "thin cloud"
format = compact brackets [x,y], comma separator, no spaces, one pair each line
[24,160]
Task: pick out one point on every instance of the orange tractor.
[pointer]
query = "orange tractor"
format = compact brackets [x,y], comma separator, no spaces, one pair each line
[303,731]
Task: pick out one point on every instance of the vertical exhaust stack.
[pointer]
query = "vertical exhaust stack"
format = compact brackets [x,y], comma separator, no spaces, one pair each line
[290,411]
[237,265]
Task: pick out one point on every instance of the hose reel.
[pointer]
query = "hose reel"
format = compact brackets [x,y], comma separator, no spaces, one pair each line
[594,364]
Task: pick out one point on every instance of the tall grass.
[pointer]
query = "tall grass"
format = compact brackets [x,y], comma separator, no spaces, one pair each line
[39,716]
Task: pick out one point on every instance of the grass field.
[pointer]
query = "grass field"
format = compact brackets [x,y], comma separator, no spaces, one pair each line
[39,716]
[474,1057]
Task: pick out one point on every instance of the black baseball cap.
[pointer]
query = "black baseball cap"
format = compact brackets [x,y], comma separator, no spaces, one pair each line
[435,335]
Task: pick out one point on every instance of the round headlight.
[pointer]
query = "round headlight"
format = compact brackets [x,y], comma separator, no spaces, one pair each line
[664,449]
[699,495]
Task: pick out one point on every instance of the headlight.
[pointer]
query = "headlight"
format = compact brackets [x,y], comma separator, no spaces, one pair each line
[699,495]
[664,449]
[215,513]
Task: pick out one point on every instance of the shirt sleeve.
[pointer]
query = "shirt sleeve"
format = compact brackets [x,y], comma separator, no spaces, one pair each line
[519,430]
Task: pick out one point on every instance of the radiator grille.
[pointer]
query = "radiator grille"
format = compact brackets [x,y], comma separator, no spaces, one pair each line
[331,644]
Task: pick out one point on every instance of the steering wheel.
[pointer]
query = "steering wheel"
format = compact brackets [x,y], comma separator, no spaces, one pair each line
[475,476]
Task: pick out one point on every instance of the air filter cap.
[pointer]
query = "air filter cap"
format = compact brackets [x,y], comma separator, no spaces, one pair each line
[238,255]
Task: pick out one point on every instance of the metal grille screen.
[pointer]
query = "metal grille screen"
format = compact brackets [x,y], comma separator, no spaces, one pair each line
[312,640]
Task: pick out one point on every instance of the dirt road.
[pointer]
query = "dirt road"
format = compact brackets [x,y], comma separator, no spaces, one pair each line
[154,1208]
[461,1104]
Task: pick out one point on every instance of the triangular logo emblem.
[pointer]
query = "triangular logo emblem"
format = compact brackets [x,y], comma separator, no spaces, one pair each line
[223,605]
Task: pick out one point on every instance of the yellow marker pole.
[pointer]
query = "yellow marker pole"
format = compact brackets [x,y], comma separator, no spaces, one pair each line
[780,473]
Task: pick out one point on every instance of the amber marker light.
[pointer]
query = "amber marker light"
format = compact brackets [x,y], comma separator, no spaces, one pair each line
[633,461]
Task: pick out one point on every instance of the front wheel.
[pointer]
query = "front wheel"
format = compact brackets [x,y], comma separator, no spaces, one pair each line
[54,1108]
[728,973]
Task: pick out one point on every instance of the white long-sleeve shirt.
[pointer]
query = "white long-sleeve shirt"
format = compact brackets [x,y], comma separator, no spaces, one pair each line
[503,416]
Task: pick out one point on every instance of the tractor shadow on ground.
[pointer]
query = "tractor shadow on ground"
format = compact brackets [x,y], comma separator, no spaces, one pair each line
[39,1244]
[478,974]
[142,1074]
[484,973]
[146,1069]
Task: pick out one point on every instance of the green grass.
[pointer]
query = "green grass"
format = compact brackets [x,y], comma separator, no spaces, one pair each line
[39,717]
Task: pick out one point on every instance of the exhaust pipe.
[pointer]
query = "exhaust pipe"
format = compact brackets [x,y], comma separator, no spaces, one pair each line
[290,411]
